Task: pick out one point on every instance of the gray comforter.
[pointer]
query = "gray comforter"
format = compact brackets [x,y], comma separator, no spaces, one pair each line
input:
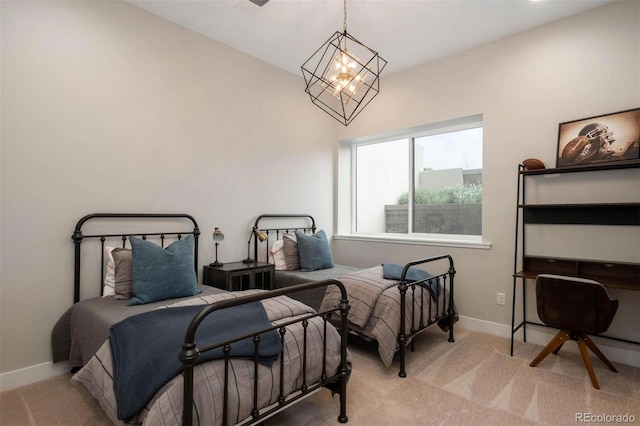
[85,326]
[165,408]
[313,297]
[375,308]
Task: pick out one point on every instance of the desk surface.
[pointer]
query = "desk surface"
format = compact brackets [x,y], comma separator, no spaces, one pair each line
[622,275]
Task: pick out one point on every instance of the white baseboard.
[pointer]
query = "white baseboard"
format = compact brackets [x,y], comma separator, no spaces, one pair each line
[35,373]
[624,353]
[615,351]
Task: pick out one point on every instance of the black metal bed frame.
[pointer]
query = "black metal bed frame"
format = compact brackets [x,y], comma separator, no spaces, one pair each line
[309,228]
[189,353]
[336,382]
[416,289]
[441,279]
[78,237]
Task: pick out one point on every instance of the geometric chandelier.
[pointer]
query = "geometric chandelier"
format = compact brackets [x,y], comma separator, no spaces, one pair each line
[343,75]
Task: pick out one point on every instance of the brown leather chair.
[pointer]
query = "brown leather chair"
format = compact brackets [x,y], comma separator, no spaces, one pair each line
[578,307]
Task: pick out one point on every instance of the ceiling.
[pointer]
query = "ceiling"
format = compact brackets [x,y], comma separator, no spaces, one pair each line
[406,33]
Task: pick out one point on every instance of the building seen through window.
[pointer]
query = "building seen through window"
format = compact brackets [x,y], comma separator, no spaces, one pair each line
[428,183]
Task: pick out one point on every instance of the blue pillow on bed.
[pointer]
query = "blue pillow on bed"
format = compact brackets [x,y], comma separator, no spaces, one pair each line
[160,274]
[314,251]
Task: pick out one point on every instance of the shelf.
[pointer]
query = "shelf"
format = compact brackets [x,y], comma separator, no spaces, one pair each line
[622,275]
[582,214]
[611,274]
[614,165]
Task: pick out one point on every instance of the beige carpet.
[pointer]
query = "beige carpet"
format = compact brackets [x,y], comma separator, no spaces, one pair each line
[473,381]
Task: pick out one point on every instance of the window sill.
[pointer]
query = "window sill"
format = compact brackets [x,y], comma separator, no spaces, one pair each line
[399,239]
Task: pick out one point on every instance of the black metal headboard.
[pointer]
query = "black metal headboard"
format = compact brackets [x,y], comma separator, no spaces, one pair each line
[78,237]
[299,222]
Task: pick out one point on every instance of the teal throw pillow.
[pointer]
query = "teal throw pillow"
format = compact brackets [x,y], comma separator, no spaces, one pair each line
[160,274]
[314,251]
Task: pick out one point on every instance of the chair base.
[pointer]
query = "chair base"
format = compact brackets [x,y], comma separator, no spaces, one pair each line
[584,342]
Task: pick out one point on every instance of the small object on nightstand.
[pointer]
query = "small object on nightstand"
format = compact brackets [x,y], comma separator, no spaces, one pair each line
[240,276]
[217,237]
[260,236]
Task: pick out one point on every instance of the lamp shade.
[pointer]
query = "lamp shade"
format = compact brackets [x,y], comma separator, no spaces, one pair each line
[260,235]
[218,235]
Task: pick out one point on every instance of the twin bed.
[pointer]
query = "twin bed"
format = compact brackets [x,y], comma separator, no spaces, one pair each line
[282,350]
[380,297]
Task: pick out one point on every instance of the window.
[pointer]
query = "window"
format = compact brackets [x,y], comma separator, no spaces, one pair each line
[424,182]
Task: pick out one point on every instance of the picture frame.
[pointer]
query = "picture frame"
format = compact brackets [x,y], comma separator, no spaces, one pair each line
[600,139]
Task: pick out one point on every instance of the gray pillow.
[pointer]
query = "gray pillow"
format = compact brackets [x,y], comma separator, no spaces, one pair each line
[160,274]
[123,265]
[314,251]
[290,247]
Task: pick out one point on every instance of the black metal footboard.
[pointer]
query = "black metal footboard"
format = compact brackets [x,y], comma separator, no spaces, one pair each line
[442,303]
[336,381]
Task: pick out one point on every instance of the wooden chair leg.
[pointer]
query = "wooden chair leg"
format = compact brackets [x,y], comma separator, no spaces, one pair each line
[591,345]
[587,362]
[558,349]
[553,346]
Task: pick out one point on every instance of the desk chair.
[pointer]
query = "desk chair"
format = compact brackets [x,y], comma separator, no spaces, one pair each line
[578,307]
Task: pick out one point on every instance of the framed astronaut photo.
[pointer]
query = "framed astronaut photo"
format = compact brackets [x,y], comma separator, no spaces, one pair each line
[600,139]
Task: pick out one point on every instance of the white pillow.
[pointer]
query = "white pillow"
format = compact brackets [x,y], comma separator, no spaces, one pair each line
[109,288]
[276,256]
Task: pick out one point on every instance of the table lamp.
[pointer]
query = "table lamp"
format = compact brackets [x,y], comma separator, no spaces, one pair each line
[261,236]
[217,237]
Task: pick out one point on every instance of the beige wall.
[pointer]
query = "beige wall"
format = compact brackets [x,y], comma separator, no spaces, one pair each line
[524,86]
[108,108]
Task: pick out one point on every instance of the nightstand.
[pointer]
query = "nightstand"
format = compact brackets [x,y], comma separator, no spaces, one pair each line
[236,276]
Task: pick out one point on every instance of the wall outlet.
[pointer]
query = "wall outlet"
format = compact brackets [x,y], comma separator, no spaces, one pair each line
[500,300]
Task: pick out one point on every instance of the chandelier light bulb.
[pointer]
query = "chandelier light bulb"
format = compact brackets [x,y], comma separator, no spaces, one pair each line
[345,77]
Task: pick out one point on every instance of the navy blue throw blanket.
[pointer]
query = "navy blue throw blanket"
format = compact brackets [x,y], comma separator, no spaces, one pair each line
[391,271]
[145,347]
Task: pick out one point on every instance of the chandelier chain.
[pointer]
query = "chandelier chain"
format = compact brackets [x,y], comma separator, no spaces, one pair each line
[344,24]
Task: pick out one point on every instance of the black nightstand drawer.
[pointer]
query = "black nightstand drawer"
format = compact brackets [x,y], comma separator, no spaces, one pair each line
[239,276]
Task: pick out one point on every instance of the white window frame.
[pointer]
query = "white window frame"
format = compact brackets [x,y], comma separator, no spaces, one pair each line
[346,199]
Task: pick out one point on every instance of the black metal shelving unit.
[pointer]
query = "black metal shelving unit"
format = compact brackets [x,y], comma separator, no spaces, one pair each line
[625,275]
